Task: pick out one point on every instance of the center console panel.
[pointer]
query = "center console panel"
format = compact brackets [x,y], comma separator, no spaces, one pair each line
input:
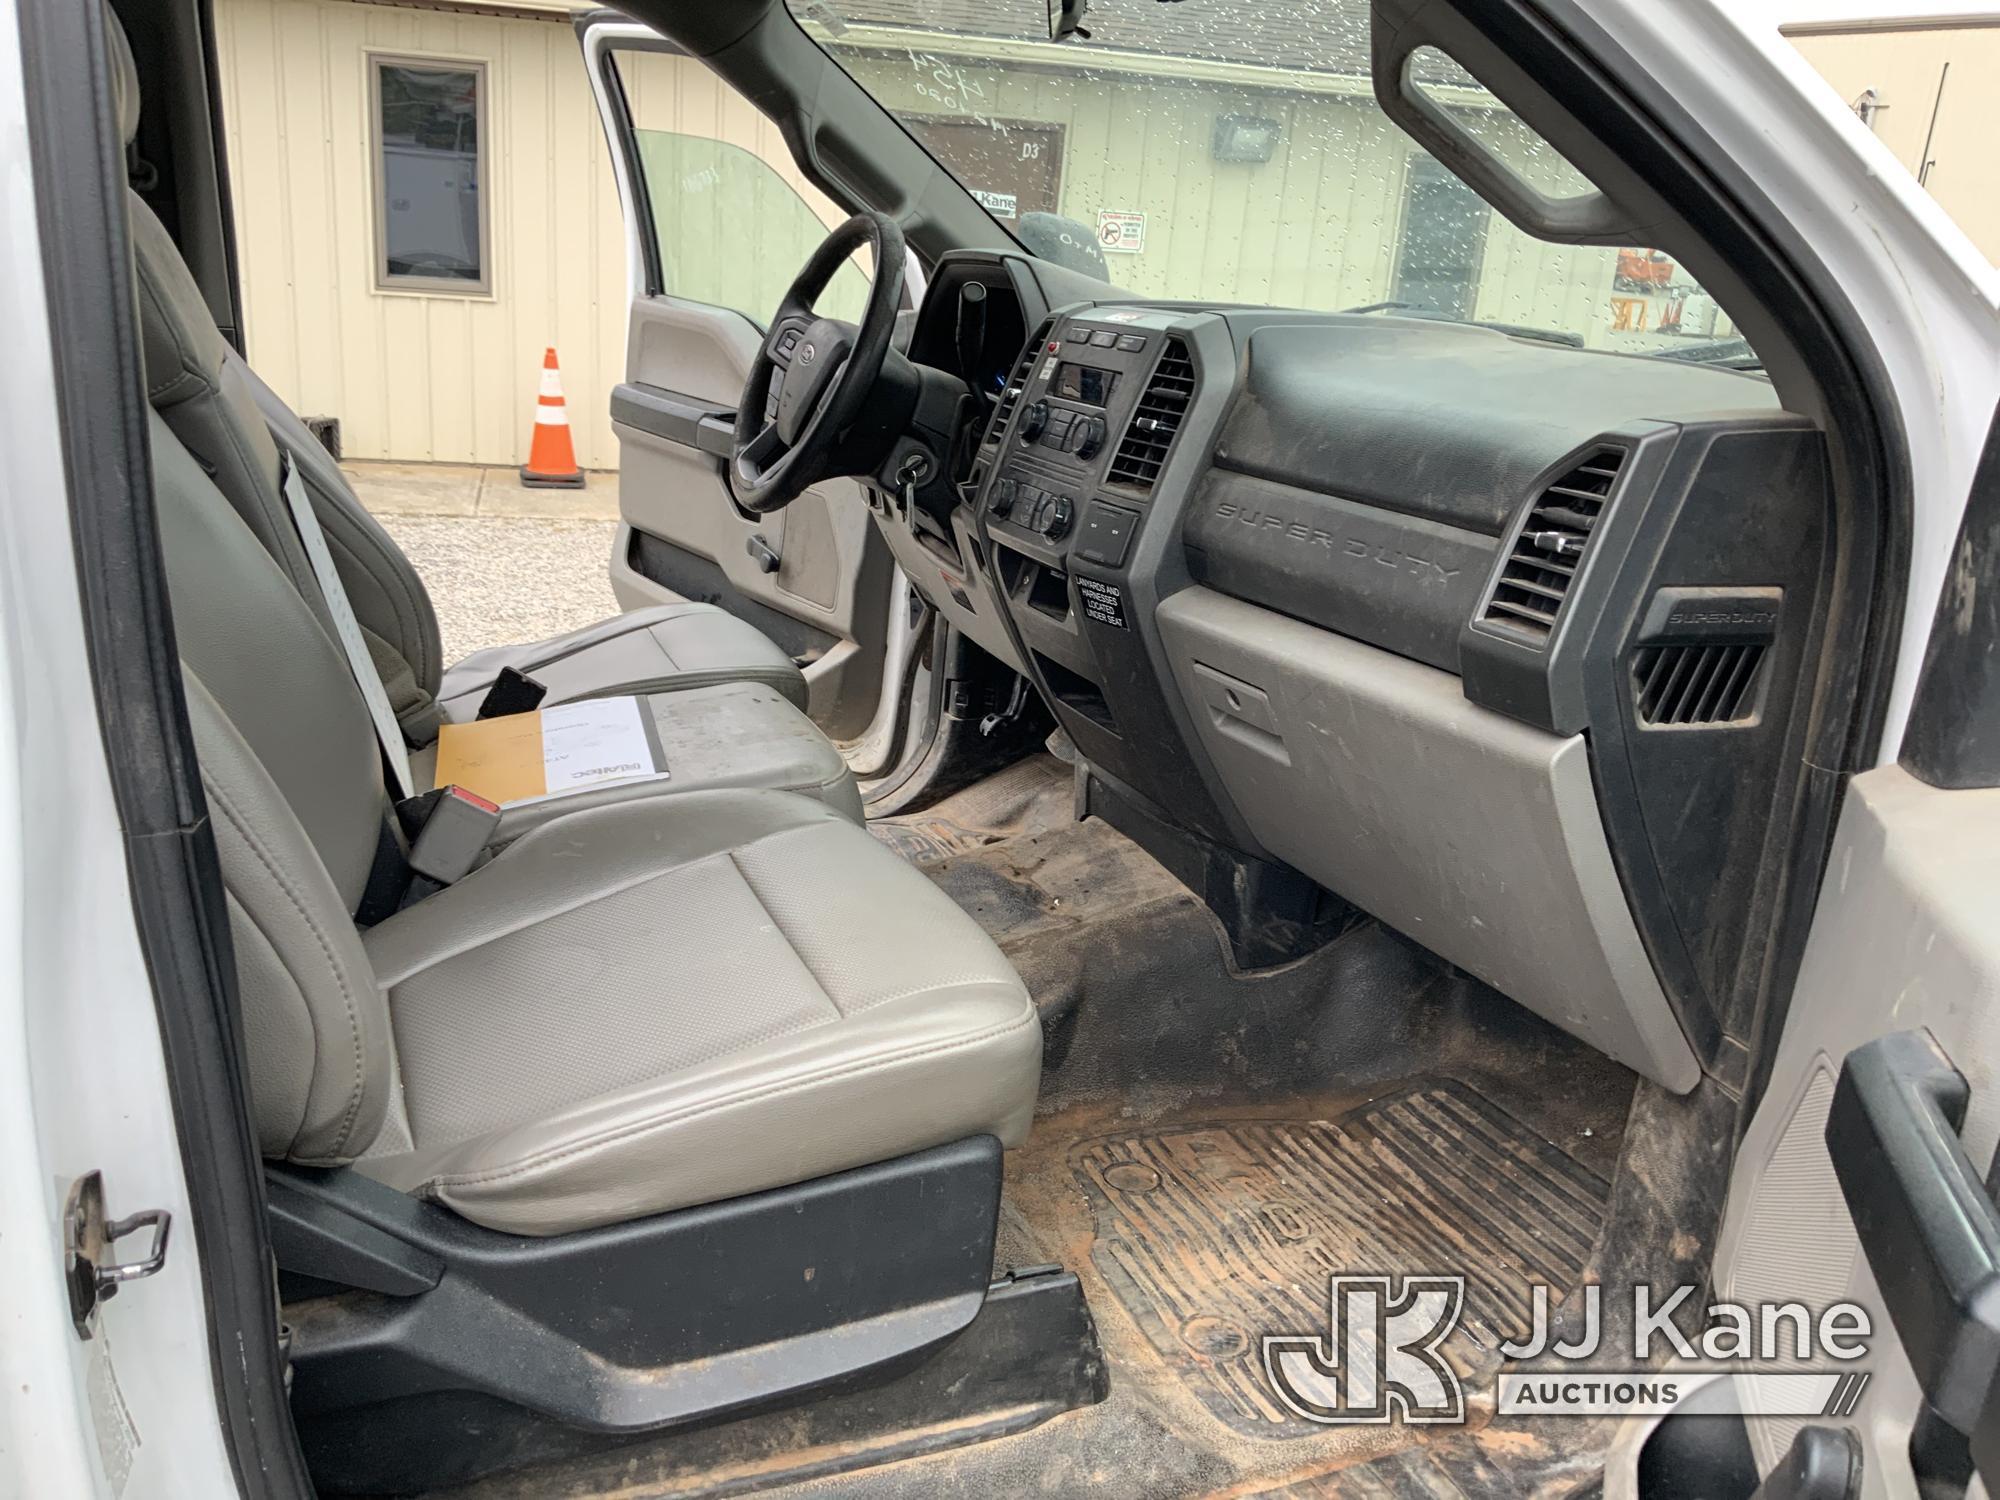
[1082,534]
[1092,414]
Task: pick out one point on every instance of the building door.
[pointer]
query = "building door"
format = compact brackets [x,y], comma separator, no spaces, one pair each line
[1013,167]
[1444,240]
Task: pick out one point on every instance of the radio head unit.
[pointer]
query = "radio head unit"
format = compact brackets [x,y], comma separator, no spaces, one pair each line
[1087,385]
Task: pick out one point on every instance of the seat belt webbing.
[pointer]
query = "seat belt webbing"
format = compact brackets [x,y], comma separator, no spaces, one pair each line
[359,663]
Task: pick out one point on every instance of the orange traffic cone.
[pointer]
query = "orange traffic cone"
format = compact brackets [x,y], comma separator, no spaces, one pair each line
[551,461]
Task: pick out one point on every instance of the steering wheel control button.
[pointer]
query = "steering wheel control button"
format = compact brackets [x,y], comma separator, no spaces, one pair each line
[1131,343]
[1106,534]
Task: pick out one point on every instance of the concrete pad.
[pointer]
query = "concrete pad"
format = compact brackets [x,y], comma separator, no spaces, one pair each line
[415,489]
[501,493]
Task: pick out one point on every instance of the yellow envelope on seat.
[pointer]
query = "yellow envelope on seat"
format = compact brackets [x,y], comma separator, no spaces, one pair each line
[549,751]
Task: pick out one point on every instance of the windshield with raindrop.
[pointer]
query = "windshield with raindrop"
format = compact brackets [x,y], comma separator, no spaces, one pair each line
[1222,151]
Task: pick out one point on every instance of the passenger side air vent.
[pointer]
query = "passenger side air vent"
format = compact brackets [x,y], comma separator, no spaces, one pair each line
[1697,684]
[1535,578]
[1143,449]
[1010,394]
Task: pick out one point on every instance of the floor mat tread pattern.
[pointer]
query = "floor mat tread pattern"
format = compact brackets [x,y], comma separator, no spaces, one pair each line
[1213,1235]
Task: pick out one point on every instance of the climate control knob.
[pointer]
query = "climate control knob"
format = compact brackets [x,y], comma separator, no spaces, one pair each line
[1056,519]
[1002,499]
[1090,434]
[1034,421]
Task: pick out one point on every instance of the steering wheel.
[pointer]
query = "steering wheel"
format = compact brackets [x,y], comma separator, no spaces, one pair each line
[820,371]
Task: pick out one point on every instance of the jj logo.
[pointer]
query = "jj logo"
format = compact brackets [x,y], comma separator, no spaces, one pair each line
[1379,1361]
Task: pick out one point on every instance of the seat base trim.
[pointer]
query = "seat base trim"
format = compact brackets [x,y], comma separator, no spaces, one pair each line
[401,1310]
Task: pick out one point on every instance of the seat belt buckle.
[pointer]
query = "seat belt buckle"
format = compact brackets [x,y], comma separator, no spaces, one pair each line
[456,830]
[512,693]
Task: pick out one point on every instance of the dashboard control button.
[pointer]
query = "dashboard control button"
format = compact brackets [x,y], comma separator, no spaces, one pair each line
[1089,437]
[1103,338]
[1002,499]
[1106,534]
[1034,421]
[1055,521]
[1078,333]
[1131,343]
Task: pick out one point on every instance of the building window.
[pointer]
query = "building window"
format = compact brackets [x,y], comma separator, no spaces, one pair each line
[1444,241]
[430,199]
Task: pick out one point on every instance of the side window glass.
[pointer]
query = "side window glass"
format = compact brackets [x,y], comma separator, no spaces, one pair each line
[732,218]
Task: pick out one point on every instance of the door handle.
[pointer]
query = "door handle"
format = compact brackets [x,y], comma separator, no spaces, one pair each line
[765,554]
[1926,1223]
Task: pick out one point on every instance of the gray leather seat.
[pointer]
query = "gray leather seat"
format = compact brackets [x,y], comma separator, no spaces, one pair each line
[742,723]
[234,423]
[633,1008]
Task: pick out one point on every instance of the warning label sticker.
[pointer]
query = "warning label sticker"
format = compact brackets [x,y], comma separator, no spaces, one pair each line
[1102,602]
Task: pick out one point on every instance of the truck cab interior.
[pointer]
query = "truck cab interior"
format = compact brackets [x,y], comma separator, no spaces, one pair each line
[1289,790]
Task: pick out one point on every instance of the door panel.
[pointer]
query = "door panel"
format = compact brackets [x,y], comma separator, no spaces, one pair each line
[718,221]
[1905,938]
[682,536]
[1868,1173]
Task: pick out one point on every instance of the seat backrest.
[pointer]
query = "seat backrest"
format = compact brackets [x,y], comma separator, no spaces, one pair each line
[271,667]
[289,761]
[295,792]
[226,417]
[388,596]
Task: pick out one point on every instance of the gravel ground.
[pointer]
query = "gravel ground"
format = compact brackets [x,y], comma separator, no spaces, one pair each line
[499,580]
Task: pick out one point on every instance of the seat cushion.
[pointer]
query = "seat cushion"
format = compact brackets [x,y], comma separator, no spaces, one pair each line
[659,650]
[733,735]
[643,1007]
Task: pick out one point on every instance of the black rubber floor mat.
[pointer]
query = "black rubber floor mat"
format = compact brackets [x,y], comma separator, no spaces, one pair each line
[1030,796]
[1215,1235]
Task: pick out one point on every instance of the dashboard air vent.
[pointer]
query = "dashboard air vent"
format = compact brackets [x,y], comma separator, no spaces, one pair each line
[1536,576]
[1697,684]
[1143,449]
[1017,380]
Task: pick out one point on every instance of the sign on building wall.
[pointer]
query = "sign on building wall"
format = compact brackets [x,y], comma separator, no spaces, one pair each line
[1000,205]
[1121,231]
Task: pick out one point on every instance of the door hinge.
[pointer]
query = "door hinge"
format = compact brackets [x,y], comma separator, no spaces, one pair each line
[88,1235]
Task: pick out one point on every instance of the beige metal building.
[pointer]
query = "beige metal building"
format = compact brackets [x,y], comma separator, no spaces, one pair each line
[1925,86]
[418,370]
[364,136]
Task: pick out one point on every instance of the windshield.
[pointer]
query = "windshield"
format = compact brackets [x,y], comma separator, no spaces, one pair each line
[1212,150]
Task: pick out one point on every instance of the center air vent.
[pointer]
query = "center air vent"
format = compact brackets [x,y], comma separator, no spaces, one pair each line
[1536,577]
[1143,449]
[1010,394]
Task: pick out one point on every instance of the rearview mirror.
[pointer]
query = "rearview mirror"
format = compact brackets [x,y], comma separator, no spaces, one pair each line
[1066,19]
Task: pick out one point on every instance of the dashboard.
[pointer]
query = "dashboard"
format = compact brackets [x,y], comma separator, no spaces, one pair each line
[1506,643]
